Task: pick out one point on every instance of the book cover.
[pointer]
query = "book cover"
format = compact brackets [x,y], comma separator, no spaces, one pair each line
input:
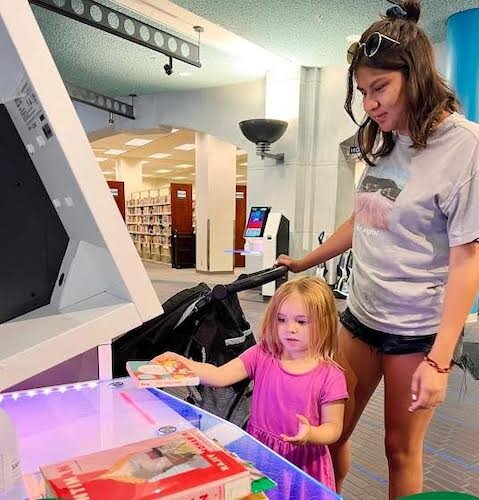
[176,466]
[167,373]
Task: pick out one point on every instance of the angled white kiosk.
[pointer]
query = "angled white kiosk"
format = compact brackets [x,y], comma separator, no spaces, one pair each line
[70,277]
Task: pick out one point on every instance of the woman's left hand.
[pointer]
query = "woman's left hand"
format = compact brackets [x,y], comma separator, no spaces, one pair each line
[428,388]
[301,437]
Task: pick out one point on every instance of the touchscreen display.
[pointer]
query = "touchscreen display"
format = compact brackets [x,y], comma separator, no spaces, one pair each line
[256,222]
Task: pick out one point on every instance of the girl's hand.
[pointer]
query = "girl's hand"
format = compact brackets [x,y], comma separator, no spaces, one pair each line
[302,436]
[428,388]
[168,355]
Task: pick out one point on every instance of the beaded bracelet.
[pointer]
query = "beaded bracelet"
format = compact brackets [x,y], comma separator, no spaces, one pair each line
[432,363]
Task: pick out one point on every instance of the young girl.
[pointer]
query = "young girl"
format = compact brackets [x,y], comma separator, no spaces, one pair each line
[299,391]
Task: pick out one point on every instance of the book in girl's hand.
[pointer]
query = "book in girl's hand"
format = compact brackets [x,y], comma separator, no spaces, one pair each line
[175,467]
[165,373]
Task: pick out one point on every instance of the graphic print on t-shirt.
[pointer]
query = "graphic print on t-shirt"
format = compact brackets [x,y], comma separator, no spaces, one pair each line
[376,194]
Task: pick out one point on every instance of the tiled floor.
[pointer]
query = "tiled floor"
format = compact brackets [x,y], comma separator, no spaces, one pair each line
[452,445]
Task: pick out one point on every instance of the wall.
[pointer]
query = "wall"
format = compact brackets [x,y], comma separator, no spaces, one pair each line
[215,111]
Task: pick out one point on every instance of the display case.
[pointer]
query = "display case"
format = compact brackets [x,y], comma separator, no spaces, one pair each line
[62,422]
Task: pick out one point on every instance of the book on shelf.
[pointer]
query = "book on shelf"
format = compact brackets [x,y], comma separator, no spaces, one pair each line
[165,373]
[182,465]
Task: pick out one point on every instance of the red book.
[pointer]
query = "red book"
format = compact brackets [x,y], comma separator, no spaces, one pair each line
[183,465]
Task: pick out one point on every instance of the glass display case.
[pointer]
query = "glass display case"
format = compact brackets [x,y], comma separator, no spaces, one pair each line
[58,423]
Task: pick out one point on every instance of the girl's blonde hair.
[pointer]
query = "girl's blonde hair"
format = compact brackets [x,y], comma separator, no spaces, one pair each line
[319,302]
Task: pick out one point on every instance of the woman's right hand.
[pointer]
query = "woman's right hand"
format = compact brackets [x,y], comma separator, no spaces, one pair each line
[292,264]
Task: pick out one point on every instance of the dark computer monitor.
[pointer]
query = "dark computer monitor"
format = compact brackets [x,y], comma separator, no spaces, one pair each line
[256,222]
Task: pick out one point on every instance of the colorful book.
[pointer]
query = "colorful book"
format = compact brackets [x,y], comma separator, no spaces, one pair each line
[182,465]
[259,482]
[167,373]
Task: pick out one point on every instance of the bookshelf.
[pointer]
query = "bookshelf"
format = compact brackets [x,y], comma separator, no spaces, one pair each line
[153,215]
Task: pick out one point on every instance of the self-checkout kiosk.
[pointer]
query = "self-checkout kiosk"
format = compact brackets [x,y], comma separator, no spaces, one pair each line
[267,236]
[70,277]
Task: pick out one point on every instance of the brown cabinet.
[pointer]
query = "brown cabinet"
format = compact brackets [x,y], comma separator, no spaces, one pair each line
[240,223]
[117,189]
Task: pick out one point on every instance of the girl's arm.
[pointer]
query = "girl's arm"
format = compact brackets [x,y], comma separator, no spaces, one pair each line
[332,416]
[428,386]
[214,376]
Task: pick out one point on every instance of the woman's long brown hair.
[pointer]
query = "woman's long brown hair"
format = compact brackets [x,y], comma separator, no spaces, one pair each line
[427,93]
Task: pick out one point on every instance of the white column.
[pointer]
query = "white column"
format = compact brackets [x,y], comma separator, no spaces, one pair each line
[130,171]
[270,183]
[305,188]
[324,126]
[215,203]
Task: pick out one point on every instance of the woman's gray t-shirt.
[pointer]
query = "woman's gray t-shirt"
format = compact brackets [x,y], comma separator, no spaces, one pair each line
[409,210]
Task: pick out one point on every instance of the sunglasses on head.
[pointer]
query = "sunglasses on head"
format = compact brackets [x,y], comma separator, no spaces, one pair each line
[371,46]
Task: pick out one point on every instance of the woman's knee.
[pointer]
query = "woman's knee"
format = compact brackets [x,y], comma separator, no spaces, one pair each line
[402,451]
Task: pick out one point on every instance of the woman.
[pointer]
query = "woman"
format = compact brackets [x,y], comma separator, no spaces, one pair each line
[413,234]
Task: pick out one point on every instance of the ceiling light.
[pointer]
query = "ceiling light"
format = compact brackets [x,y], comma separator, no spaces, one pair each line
[114,152]
[162,171]
[138,142]
[100,159]
[184,165]
[244,164]
[178,178]
[159,156]
[239,175]
[186,147]
[241,152]
[173,130]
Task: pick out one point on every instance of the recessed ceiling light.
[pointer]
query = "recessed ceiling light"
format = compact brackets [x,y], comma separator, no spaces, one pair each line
[100,160]
[114,152]
[241,152]
[244,164]
[162,171]
[186,147]
[159,156]
[184,165]
[178,178]
[138,142]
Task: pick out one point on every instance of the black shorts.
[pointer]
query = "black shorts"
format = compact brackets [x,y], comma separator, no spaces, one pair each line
[386,343]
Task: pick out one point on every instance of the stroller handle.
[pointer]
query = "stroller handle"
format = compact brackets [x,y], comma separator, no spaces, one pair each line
[220,292]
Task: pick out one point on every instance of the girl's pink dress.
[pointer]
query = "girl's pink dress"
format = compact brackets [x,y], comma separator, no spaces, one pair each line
[279,396]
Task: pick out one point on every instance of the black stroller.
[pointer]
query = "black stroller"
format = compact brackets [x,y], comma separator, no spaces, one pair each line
[206,325]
